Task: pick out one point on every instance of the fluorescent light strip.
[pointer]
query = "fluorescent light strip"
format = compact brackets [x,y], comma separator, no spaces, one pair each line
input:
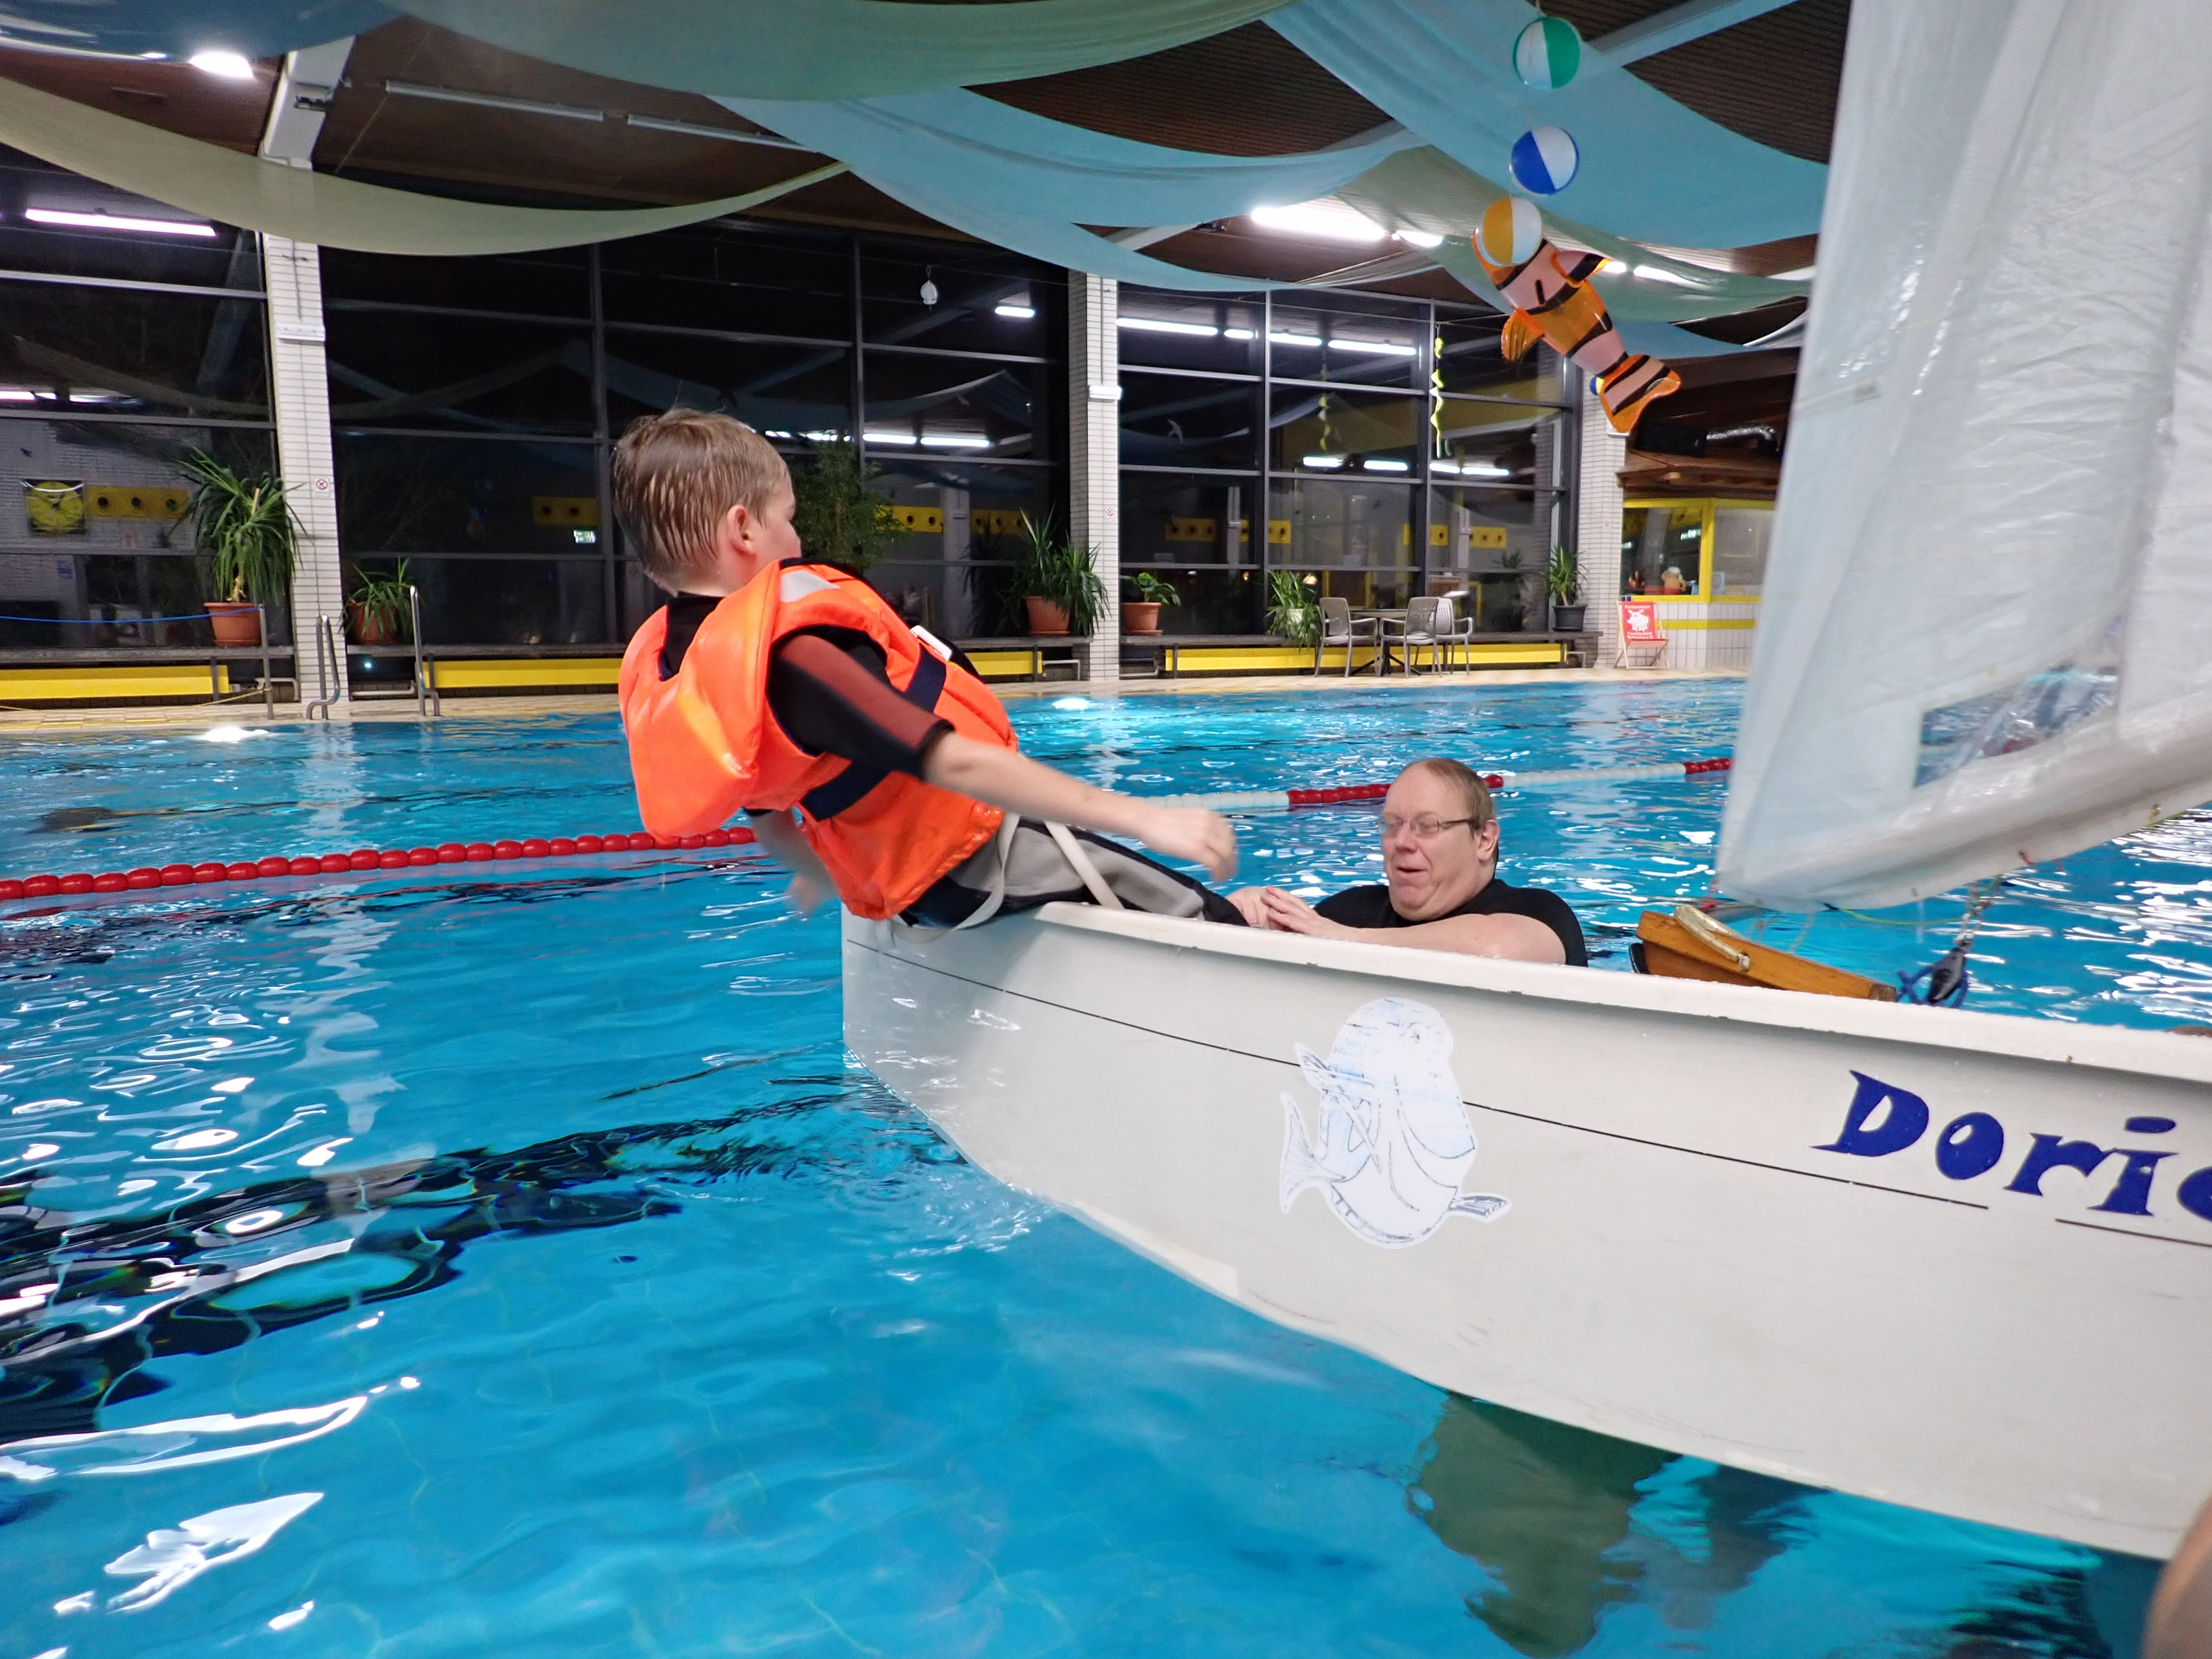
[1023,312]
[16,394]
[492,100]
[904,439]
[954,440]
[223,65]
[1470,469]
[1374,464]
[116,221]
[1375,348]
[1326,463]
[1161,325]
[1313,340]
[1236,333]
[689,129]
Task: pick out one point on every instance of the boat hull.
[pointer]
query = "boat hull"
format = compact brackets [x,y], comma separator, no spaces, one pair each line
[1717,1235]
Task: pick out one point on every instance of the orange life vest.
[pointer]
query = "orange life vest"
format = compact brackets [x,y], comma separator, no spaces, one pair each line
[704,745]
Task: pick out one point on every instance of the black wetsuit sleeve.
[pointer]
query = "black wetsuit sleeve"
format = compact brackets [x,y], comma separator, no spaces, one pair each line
[830,692]
[1359,907]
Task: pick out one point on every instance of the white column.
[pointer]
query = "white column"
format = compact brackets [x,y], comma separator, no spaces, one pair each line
[293,273]
[1094,453]
[1597,518]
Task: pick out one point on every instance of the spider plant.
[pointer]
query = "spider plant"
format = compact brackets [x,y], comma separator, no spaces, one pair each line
[244,527]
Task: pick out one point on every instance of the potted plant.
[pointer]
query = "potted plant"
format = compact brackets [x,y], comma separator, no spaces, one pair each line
[1142,614]
[245,527]
[1291,613]
[1059,581]
[1563,578]
[378,607]
[840,519]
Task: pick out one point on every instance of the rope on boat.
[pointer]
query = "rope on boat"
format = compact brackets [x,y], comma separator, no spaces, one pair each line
[1278,800]
[212,872]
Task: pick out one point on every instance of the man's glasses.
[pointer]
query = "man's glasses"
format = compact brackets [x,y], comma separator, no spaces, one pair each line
[1427,827]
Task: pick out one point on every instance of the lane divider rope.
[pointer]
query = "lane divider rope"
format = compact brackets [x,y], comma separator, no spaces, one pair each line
[149,876]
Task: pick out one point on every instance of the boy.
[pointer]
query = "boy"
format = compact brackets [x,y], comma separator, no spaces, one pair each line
[868,762]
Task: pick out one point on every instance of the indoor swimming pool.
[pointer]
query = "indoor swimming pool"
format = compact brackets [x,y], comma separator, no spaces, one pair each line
[508,1259]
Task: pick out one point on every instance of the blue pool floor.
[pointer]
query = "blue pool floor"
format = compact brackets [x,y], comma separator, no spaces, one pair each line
[512,1261]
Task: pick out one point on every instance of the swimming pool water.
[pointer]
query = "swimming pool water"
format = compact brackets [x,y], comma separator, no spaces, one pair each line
[508,1259]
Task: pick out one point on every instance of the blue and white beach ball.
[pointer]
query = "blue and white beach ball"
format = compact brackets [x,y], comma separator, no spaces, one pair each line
[1547,53]
[1545,160]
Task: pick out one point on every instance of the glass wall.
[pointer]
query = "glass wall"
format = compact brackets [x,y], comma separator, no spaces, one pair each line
[1395,450]
[123,349]
[475,402]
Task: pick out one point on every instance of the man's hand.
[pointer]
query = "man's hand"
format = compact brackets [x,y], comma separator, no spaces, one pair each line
[1251,903]
[1287,913]
[1190,832]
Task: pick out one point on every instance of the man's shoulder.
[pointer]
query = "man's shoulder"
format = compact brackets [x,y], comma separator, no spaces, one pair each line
[1361,907]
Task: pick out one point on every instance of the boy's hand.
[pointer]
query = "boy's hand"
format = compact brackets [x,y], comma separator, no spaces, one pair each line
[806,894]
[1193,833]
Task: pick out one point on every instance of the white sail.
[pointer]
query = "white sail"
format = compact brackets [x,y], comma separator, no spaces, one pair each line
[1986,636]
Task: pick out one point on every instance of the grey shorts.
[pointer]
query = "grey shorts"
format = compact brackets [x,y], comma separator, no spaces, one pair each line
[1037,870]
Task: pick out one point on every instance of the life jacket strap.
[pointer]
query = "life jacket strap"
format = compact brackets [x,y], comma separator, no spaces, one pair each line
[852,785]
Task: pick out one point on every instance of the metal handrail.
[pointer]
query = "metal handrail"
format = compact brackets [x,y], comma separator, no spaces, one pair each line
[425,686]
[328,670]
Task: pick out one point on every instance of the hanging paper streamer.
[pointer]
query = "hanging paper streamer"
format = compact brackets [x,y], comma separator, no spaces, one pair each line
[1544,160]
[1547,53]
[1553,301]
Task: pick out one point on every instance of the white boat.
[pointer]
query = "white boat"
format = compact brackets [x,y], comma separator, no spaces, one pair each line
[1685,1251]
[1955,1260]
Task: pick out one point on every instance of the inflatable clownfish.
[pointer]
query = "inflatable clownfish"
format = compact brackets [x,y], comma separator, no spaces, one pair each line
[1553,300]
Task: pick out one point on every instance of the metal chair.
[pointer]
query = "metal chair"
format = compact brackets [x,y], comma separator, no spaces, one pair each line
[1452,628]
[1421,626]
[1340,626]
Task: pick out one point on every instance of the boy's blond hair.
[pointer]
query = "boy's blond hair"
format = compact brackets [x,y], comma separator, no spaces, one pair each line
[676,477]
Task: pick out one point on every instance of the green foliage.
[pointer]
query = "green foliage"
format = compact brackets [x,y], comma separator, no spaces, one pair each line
[382,601]
[1293,612]
[1563,576]
[245,528]
[840,519]
[1050,567]
[1151,590]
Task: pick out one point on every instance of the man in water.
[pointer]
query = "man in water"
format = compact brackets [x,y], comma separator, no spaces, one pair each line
[1440,860]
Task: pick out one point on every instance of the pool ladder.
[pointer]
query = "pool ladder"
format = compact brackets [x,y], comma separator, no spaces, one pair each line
[329,666]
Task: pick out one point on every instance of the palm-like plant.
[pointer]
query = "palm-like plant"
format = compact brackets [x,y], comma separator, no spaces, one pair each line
[1293,613]
[246,527]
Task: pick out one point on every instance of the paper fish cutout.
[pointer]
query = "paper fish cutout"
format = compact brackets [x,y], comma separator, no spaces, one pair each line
[1553,301]
[1395,1143]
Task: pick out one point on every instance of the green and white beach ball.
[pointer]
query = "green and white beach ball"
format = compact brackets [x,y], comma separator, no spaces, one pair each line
[1547,53]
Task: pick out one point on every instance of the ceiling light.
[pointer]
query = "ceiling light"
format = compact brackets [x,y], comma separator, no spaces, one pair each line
[1325,217]
[1161,325]
[1482,470]
[1313,340]
[1373,463]
[954,440]
[225,65]
[1010,309]
[1375,348]
[906,439]
[1656,274]
[1236,333]
[823,437]
[116,221]
[1326,463]
[17,394]
[1420,238]
[1443,466]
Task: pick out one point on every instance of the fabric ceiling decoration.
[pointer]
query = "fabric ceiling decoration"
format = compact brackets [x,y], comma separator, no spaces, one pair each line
[313,207]
[1425,190]
[833,49]
[178,28]
[1029,183]
[1652,169]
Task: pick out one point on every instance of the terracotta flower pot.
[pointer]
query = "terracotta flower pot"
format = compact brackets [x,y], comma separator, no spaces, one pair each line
[369,628]
[235,624]
[1140,617]
[1045,616]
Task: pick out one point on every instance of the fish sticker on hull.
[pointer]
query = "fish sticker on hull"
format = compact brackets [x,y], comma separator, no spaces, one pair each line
[1393,1143]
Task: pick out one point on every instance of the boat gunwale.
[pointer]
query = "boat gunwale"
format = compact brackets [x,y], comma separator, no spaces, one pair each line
[2011,1036]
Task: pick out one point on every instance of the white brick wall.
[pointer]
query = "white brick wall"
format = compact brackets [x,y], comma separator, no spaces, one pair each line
[304,456]
[1597,518]
[1094,451]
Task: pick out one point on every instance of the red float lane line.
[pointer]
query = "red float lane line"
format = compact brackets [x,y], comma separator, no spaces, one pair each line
[147,877]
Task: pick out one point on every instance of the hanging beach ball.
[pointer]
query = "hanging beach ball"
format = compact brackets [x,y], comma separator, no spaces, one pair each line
[1509,232]
[1545,160]
[1547,53]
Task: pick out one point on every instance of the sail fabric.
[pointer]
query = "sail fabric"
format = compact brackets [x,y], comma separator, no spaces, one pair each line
[1652,169]
[169,28]
[1983,633]
[833,49]
[315,207]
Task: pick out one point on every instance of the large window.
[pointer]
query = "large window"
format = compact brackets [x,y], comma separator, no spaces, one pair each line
[123,350]
[476,403]
[1376,447]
